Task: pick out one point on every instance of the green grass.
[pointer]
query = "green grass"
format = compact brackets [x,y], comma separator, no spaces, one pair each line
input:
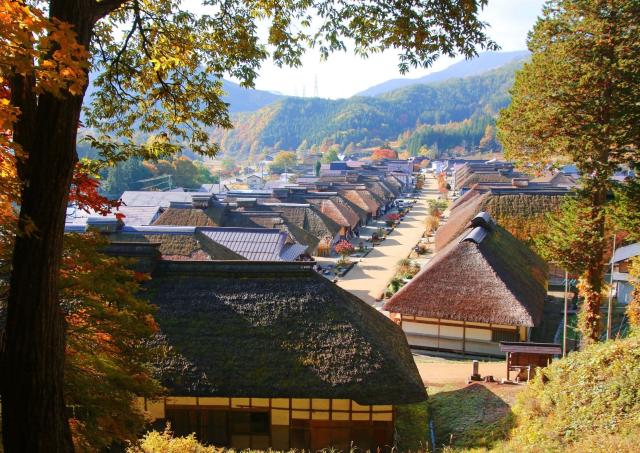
[469,417]
[412,426]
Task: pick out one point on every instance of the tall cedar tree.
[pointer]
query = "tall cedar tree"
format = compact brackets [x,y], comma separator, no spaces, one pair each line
[577,100]
[157,67]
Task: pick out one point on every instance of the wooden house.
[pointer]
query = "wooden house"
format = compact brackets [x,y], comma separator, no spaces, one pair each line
[272,355]
[255,182]
[482,288]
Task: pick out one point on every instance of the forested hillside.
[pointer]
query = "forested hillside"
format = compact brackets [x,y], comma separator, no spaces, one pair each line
[447,116]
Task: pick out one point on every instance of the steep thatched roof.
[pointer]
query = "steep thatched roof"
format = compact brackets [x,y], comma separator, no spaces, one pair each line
[305,217]
[486,275]
[362,213]
[393,184]
[483,177]
[522,214]
[458,220]
[210,217]
[187,246]
[275,331]
[378,189]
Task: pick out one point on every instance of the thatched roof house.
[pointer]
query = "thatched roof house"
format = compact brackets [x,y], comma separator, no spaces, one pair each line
[215,244]
[185,244]
[521,211]
[306,217]
[276,331]
[294,352]
[363,200]
[486,278]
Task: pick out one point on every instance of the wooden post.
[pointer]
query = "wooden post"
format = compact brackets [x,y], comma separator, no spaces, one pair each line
[610,304]
[508,360]
[566,306]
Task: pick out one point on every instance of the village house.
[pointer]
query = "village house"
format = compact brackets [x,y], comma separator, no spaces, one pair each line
[272,355]
[622,281]
[482,288]
[255,182]
[519,209]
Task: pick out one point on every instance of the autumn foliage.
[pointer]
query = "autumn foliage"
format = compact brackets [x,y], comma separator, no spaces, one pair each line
[384,153]
[107,325]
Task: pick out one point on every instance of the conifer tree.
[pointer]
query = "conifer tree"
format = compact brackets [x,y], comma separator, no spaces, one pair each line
[577,101]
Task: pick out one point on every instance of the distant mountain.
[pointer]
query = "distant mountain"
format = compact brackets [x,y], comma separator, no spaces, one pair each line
[239,99]
[484,62]
[247,100]
[458,109]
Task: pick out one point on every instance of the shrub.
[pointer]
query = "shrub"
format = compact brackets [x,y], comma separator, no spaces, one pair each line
[392,218]
[164,442]
[344,249]
[589,401]
[431,223]
[407,268]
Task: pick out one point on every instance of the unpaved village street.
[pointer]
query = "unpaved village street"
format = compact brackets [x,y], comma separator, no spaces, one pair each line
[369,278]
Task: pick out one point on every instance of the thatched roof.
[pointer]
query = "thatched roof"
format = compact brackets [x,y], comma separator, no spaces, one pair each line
[393,184]
[361,199]
[378,189]
[482,177]
[459,220]
[361,212]
[305,217]
[209,217]
[182,247]
[521,213]
[486,275]
[275,331]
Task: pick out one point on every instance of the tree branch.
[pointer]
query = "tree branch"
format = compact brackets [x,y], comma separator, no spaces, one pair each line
[103,8]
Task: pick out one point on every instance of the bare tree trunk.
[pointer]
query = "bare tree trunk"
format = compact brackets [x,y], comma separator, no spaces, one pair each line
[34,416]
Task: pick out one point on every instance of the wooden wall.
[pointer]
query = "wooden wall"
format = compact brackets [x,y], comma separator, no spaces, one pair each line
[459,336]
[292,422]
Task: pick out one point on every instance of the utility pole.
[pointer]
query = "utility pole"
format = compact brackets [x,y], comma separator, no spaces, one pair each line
[610,304]
[566,307]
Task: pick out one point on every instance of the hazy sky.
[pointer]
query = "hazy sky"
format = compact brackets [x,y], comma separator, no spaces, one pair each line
[343,75]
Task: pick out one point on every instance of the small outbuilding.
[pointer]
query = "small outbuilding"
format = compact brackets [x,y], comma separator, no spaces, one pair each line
[524,358]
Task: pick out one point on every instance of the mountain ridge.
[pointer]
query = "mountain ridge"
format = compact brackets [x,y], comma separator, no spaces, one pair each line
[484,62]
[461,108]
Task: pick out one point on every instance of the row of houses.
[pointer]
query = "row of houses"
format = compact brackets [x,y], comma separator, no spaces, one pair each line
[315,212]
[484,285]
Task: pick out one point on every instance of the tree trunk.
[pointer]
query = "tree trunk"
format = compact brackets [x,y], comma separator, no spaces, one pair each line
[590,284]
[34,416]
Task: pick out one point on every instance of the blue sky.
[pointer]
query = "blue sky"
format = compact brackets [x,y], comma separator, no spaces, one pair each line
[343,75]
